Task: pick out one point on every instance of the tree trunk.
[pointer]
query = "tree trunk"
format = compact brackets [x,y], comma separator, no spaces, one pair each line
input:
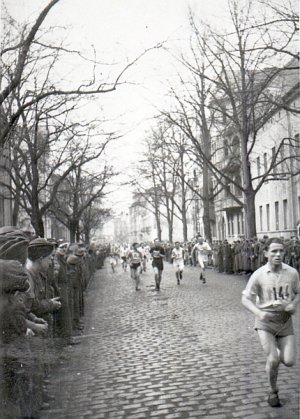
[72,228]
[206,177]
[87,237]
[206,221]
[158,225]
[183,199]
[206,204]
[38,225]
[184,225]
[15,214]
[170,233]
[250,222]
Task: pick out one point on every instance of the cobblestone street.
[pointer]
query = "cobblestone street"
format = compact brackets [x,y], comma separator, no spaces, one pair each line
[187,351]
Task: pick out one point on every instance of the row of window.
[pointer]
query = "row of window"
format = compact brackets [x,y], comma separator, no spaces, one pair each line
[239,224]
[281,159]
[280,213]
[277,214]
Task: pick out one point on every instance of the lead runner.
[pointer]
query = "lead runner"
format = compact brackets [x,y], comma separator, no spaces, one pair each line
[272,294]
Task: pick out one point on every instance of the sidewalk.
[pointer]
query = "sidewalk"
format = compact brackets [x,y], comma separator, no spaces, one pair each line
[187,351]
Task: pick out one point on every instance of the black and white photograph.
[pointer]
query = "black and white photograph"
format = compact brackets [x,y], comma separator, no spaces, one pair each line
[149,209]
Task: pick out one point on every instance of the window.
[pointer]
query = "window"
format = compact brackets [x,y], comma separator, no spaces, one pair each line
[261,217]
[258,165]
[296,153]
[237,190]
[265,162]
[243,222]
[227,189]
[285,214]
[282,158]
[268,216]
[273,162]
[230,225]
[238,224]
[2,211]
[276,215]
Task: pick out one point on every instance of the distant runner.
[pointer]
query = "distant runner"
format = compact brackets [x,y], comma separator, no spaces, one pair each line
[157,253]
[135,258]
[202,248]
[178,261]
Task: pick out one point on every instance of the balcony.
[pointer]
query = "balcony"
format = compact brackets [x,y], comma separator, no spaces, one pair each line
[228,204]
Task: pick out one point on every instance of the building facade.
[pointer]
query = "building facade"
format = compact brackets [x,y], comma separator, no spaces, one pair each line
[276,156]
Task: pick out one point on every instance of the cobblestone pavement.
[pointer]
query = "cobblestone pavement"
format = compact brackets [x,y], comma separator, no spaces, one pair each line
[187,351]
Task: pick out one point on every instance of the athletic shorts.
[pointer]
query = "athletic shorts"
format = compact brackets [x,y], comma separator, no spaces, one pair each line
[158,264]
[178,264]
[202,262]
[281,328]
[135,265]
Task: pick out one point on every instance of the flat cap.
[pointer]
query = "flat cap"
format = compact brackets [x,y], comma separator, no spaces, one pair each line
[39,248]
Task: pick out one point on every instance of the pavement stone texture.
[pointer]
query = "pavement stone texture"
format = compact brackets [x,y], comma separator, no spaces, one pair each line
[186,351]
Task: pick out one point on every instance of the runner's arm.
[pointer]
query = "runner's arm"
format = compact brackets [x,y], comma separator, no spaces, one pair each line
[247,302]
[292,306]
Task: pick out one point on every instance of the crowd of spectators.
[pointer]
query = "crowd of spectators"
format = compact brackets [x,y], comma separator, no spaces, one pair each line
[242,256]
[41,308]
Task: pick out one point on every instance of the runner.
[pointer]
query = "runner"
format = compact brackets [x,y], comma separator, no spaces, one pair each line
[157,253]
[123,255]
[135,258]
[112,261]
[272,294]
[142,249]
[178,261]
[202,248]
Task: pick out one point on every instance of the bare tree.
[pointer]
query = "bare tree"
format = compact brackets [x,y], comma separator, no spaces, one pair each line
[93,219]
[147,191]
[74,200]
[30,47]
[177,158]
[43,158]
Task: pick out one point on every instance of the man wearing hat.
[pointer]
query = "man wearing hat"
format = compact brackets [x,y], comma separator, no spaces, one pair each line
[13,279]
[39,254]
[16,361]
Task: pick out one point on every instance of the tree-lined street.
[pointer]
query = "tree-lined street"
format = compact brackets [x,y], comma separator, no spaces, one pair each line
[164,130]
[188,351]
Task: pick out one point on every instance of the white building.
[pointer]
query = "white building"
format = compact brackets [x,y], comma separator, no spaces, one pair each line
[277,203]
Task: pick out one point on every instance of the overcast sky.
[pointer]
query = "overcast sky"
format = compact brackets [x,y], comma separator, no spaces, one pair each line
[120,30]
